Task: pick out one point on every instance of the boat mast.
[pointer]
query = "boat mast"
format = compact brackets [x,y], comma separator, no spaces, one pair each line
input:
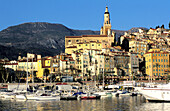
[103,77]
[27,73]
[32,72]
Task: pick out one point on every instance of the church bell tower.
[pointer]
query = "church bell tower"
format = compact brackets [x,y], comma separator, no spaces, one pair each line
[106,29]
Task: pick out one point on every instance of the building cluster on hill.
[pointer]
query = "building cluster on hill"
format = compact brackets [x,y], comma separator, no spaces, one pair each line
[94,57]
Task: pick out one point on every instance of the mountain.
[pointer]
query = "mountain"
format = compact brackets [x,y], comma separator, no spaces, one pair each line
[11,52]
[42,38]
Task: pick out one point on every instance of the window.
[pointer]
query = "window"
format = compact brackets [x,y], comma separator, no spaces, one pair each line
[99,45]
[79,45]
[153,60]
[92,44]
[69,40]
[86,44]
[77,40]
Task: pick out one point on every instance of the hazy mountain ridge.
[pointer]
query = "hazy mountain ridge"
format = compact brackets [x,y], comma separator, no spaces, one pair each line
[42,38]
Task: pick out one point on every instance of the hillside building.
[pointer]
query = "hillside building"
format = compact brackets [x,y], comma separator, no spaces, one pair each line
[157,63]
[105,39]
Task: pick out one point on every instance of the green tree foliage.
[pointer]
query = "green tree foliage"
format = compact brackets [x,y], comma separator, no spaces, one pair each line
[162,26]
[157,27]
[46,73]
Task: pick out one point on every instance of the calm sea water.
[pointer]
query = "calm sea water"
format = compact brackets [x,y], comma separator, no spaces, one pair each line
[105,104]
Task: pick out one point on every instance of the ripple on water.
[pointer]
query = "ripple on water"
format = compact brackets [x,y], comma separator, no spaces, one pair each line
[105,104]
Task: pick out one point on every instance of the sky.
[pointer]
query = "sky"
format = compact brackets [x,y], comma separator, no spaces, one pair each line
[86,14]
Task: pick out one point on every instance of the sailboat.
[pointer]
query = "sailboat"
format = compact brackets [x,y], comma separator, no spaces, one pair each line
[22,96]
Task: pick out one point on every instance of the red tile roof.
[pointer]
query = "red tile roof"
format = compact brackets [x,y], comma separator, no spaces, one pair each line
[72,47]
[73,37]
[12,64]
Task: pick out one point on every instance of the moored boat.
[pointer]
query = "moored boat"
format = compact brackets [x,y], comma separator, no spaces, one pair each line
[160,93]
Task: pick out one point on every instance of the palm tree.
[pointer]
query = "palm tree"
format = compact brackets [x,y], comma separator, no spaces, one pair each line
[157,65]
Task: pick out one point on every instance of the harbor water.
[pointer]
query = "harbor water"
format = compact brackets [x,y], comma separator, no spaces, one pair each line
[126,103]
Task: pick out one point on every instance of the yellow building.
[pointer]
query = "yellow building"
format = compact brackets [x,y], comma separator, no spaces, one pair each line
[105,39]
[157,62]
[152,31]
[44,64]
[28,63]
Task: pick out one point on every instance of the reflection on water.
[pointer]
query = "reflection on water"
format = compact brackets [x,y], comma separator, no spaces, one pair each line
[105,104]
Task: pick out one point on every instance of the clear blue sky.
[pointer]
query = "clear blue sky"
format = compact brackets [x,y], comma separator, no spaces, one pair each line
[86,14]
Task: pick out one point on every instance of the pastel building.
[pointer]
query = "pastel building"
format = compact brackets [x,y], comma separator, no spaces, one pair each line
[105,39]
[157,62]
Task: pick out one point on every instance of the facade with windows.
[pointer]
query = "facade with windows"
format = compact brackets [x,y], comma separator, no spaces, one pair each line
[105,39]
[157,63]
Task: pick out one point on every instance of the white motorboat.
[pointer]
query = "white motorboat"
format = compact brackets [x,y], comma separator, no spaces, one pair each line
[47,97]
[101,93]
[158,93]
[31,96]
[123,93]
[20,97]
[114,93]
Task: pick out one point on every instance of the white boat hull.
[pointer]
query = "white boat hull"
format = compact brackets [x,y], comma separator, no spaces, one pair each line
[20,97]
[47,98]
[156,94]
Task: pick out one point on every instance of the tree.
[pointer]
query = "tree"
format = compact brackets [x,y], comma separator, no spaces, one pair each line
[162,26]
[46,73]
[167,79]
[19,74]
[157,27]
[2,72]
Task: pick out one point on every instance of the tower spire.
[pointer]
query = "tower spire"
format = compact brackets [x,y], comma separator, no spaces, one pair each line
[106,9]
[106,29]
